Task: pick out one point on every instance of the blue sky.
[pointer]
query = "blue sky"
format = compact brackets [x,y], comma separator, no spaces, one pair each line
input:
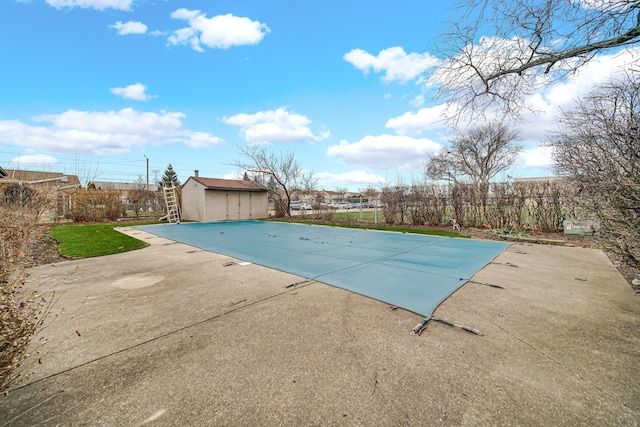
[91,87]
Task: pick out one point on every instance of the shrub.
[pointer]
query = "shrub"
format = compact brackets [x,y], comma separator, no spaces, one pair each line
[97,205]
[21,312]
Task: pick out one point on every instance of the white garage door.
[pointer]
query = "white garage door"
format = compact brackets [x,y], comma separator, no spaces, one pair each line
[228,205]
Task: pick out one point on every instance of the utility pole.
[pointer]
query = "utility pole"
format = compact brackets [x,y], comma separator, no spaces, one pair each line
[147,171]
[146,193]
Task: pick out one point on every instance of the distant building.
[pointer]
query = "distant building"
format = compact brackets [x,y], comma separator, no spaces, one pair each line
[129,193]
[540,179]
[124,186]
[62,184]
[28,177]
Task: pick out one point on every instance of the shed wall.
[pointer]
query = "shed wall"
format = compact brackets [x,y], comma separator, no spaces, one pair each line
[193,202]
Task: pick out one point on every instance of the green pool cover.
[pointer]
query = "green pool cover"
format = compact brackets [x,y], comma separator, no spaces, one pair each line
[411,271]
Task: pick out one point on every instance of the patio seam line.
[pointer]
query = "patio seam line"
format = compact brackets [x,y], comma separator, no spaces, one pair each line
[166,334]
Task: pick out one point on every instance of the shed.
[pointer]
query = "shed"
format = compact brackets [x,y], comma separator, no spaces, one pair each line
[213,199]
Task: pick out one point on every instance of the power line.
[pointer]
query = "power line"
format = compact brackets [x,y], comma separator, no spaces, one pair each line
[100,167]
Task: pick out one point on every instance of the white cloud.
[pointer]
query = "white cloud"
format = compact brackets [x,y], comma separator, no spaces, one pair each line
[92,4]
[418,101]
[34,159]
[536,158]
[100,133]
[385,152]
[185,14]
[396,64]
[599,70]
[131,27]
[606,5]
[274,126]
[550,102]
[546,104]
[136,92]
[423,119]
[202,140]
[218,32]
[352,179]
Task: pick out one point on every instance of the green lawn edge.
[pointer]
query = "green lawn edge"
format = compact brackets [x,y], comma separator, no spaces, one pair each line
[408,230]
[93,240]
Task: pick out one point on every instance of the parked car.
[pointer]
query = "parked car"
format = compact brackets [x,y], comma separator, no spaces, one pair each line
[299,206]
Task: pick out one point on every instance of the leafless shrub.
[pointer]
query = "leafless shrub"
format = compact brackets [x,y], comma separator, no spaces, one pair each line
[528,205]
[323,211]
[544,204]
[395,203]
[417,204]
[97,205]
[436,200]
[21,312]
[597,149]
[467,205]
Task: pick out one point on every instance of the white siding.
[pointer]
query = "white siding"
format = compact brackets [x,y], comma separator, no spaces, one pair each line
[193,206]
[200,204]
[216,205]
[259,205]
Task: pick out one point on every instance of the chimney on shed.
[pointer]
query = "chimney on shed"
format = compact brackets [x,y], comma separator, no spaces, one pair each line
[197,172]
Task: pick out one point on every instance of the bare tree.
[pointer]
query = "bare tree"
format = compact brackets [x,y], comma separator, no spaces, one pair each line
[597,147]
[139,197]
[475,157]
[498,51]
[280,173]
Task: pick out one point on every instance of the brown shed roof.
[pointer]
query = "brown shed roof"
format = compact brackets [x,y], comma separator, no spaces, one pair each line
[228,184]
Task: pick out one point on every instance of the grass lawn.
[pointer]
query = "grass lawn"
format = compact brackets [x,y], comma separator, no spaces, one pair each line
[410,230]
[91,240]
[369,216]
[354,215]
[351,215]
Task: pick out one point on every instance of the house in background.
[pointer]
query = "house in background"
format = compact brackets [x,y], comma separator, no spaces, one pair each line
[213,199]
[58,182]
[37,178]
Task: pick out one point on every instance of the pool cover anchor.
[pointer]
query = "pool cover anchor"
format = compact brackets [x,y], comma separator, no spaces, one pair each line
[292,285]
[420,326]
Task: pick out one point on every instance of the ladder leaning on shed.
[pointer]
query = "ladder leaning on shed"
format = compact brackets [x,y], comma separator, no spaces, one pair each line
[171,201]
